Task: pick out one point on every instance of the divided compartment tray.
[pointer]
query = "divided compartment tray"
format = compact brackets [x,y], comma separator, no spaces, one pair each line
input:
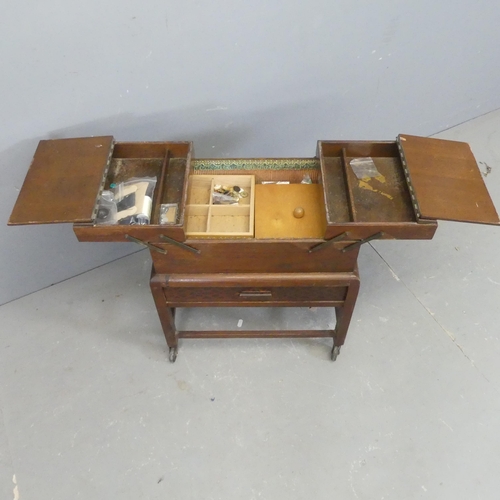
[378,198]
[204,219]
[169,162]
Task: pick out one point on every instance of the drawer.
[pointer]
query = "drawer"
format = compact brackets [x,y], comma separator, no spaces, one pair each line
[255,295]
[254,289]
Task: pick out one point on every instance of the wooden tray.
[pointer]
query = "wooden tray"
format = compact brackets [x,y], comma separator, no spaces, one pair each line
[274,211]
[204,219]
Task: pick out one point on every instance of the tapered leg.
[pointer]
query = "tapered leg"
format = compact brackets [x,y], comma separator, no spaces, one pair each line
[344,315]
[166,315]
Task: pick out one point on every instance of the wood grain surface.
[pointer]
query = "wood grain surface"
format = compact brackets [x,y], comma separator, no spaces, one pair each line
[63,181]
[446,180]
[274,207]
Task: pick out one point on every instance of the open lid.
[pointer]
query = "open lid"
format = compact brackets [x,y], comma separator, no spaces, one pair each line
[445,181]
[63,182]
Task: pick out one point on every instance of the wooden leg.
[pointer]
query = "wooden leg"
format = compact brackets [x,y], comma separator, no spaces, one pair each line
[344,315]
[166,315]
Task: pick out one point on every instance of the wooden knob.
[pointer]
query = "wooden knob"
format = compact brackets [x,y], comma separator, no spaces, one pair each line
[298,213]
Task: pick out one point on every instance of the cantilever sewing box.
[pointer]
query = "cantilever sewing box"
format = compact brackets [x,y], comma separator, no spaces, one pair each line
[293,240]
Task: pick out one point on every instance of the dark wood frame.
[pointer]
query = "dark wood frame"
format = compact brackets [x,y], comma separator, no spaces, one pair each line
[417,180]
[347,283]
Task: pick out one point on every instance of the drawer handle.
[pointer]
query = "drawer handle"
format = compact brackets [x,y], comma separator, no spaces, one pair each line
[255,293]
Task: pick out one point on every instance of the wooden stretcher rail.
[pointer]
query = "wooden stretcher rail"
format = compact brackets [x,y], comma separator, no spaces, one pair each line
[218,334]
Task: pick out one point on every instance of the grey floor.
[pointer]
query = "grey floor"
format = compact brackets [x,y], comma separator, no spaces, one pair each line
[91,407]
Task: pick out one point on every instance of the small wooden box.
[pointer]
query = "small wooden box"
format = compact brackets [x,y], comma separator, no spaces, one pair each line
[205,219]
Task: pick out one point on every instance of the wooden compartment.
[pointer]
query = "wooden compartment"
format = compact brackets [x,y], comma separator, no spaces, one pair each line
[382,196]
[417,181]
[159,160]
[199,189]
[205,219]
[233,220]
[169,164]
[380,205]
[197,218]
[266,173]
[275,205]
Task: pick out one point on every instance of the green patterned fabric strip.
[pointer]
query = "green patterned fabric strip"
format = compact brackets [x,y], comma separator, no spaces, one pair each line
[256,164]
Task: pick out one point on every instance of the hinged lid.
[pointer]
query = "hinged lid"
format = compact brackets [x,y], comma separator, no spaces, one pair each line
[444,181]
[64,180]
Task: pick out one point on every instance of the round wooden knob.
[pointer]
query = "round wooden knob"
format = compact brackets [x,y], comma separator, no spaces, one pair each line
[298,213]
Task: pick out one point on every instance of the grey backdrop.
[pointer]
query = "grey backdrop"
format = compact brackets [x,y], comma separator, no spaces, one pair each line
[261,78]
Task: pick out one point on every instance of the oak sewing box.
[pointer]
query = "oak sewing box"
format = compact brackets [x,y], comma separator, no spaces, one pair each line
[262,251]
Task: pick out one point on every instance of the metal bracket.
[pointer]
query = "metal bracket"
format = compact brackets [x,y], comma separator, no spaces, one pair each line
[179,244]
[406,171]
[146,244]
[366,240]
[324,244]
[103,180]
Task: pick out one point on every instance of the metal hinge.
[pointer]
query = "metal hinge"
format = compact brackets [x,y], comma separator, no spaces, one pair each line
[406,171]
[103,180]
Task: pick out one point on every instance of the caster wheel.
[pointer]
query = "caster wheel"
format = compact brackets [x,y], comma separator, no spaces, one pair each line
[172,354]
[335,352]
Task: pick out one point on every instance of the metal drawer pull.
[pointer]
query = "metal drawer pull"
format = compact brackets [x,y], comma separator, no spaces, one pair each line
[323,244]
[179,244]
[366,240]
[256,293]
[146,244]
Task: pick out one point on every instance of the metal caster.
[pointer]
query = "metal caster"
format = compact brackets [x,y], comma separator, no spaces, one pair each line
[172,354]
[335,352]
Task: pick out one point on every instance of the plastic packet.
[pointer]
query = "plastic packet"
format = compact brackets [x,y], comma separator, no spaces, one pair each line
[134,200]
[224,199]
[106,210]
[227,195]
[364,167]
[168,213]
[306,179]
